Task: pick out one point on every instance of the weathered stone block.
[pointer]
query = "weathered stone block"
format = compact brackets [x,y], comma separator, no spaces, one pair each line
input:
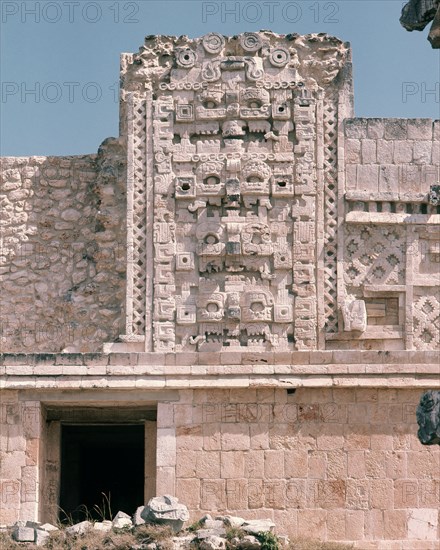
[351,176]
[420,129]
[354,524]
[166,447]
[235,438]
[389,178]
[395,524]
[395,129]
[188,491]
[312,521]
[166,510]
[422,152]
[403,152]
[368,147]
[356,128]
[24,534]
[232,464]
[367,178]
[352,151]
[375,128]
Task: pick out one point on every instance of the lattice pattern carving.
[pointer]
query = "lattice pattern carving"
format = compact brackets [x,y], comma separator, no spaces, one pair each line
[137,187]
[330,210]
[426,320]
[374,255]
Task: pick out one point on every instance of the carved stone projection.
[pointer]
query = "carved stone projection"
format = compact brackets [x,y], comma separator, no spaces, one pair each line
[416,14]
[166,510]
[355,314]
[428,418]
[232,191]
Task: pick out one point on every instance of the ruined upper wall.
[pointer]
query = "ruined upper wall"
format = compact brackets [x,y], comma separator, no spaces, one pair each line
[313,61]
[62,251]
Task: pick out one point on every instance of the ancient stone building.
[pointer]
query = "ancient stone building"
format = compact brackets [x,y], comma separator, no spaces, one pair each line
[235,302]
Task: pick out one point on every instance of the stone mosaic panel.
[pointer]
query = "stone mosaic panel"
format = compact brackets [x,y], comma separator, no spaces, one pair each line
[232,178]
[374,255]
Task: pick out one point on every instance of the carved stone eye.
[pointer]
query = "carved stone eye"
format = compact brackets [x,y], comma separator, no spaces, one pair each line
[210,104]
[279,57]
[254,179]
[254,104]
[212,180]
[211,239]
[250,41]
[256,307]
[256,239]
[213,42]
[186,58]
[212,307]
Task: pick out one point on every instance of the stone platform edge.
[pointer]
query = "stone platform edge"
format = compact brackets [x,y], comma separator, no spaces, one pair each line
[222,370]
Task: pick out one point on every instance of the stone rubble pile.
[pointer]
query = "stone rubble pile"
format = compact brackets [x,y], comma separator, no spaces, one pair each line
[206,534]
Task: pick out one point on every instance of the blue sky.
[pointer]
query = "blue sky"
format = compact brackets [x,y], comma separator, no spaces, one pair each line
[60,59]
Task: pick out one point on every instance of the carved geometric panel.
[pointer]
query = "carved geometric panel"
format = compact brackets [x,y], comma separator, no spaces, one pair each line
[330,210]
[374,255]
[426,319]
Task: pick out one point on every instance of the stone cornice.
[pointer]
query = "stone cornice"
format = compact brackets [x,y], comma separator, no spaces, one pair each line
[68,371]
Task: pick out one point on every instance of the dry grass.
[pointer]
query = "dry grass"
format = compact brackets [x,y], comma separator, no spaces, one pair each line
[91,540]
[96,540]
[310,544]
[161,535]
[6,543]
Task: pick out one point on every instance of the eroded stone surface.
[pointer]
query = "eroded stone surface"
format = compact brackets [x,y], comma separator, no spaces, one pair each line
[428,418]
[166,510]
[24,534]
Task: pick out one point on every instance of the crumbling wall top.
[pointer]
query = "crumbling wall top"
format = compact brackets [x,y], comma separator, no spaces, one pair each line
[312,59]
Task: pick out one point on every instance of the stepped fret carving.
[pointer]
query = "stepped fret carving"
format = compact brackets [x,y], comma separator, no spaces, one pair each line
[136,197]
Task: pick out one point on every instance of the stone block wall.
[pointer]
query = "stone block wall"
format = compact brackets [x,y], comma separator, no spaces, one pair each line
[390,232]
[20,457]
[62,251]
[396,158]
[343,464]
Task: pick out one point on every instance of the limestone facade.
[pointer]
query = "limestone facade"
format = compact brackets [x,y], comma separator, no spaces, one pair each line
[253,264]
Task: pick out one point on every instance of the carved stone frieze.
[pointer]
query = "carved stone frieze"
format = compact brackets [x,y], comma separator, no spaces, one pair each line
[226,162]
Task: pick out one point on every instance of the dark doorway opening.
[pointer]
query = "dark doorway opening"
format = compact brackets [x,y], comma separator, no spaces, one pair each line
[102,467]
